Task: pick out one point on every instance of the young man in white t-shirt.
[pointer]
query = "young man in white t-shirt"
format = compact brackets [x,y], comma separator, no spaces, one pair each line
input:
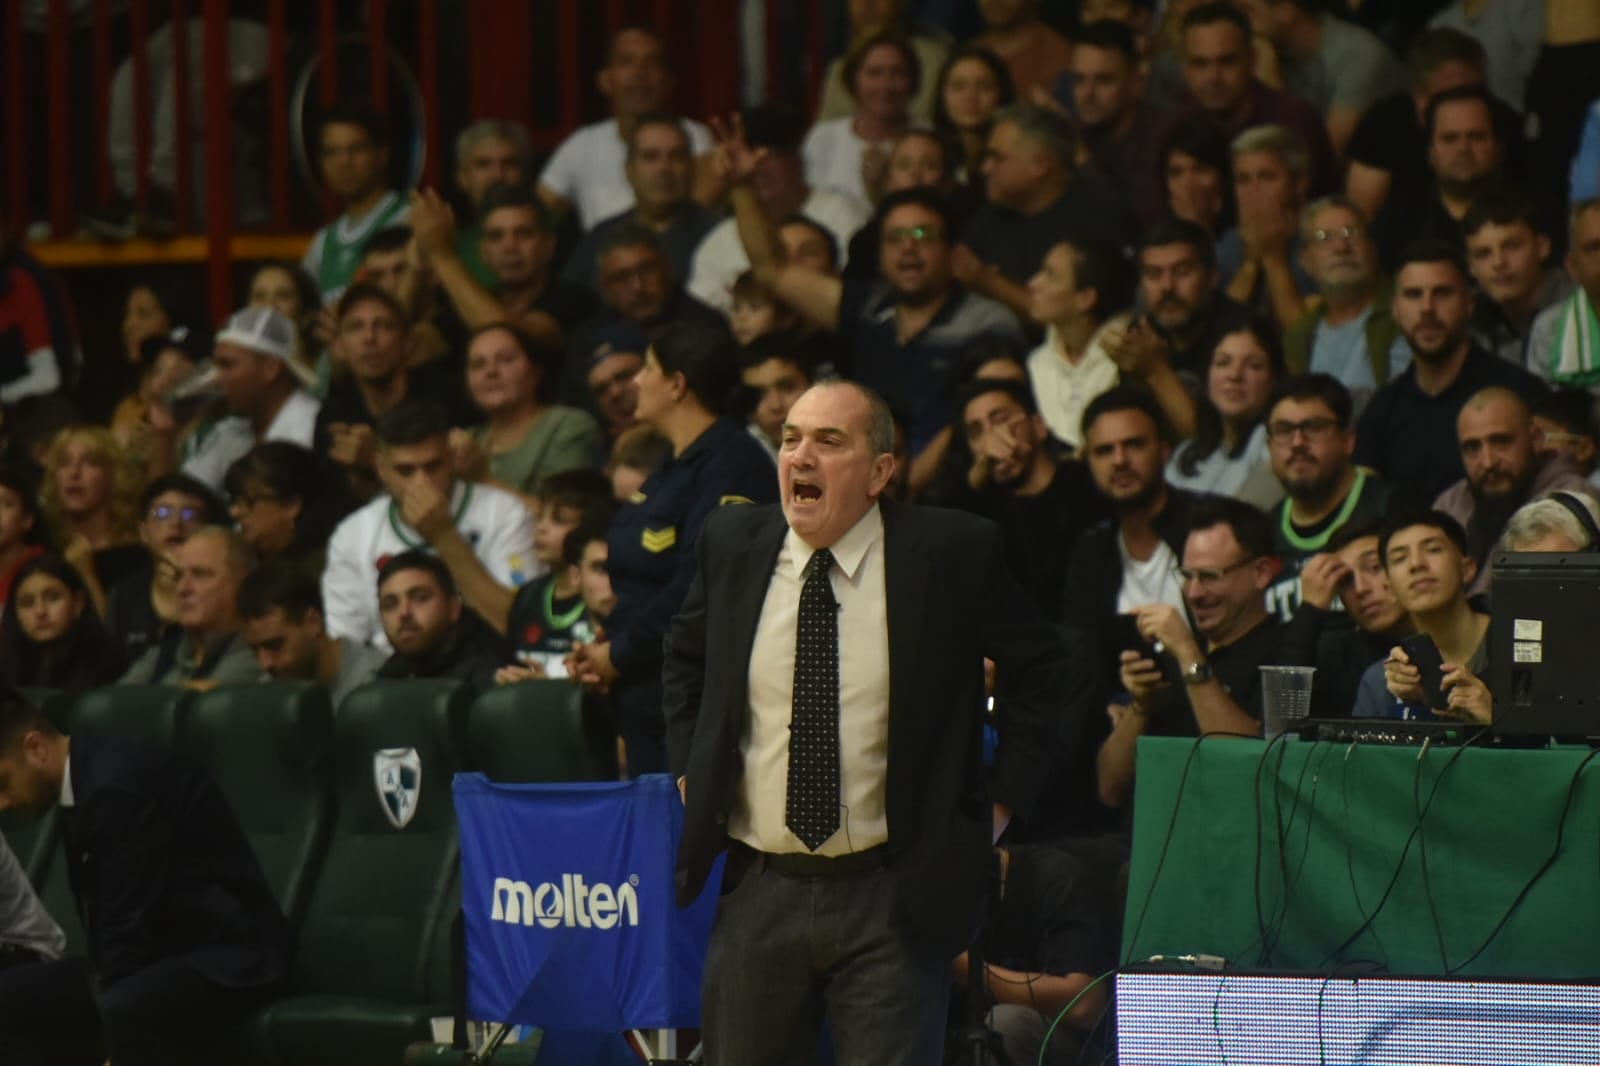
[415,465]
[586,172]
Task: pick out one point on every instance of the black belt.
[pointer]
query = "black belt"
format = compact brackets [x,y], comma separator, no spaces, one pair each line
[794,864]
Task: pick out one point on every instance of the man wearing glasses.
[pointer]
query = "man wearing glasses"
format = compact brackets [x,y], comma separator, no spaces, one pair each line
[1310,441]
[1350,333]
[1208,679]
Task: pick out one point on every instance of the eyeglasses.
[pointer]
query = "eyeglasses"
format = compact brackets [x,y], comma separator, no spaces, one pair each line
[165,513]
[1349,233]
[920,234]
[1209,577]
[1315,429]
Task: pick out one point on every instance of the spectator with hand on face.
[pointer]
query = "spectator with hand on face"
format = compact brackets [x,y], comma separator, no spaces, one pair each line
[1196,181]
[1261,258]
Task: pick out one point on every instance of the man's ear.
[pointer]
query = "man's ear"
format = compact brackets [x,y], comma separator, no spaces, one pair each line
[1469,571]
[882,471]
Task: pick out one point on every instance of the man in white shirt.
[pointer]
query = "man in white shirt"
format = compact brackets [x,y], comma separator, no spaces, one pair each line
[261,385]
[1077,287]
[780,187]
[586,172]
[414,461]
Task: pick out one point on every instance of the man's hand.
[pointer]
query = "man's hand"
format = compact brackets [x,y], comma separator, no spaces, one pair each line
[1266,228]
[1404,681]
[433,225]
[972,272]
[733,159]
[511,675]
[683,790]
[1136,349]
[1320,579]
[1165,625]
[1142,678]
[1468,697]
[353,445]
[324,328]
[79,553]
[590,665]
[425,509]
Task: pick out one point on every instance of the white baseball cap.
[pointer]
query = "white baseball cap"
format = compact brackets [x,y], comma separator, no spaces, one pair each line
[266,331]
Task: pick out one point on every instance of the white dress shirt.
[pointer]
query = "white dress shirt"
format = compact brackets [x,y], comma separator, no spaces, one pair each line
[857,577]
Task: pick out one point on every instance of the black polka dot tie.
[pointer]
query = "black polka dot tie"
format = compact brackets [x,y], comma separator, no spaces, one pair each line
[812,807]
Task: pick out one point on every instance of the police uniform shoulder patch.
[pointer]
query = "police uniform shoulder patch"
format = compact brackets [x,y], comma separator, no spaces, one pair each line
[734,499]
[637,497]
[659,540]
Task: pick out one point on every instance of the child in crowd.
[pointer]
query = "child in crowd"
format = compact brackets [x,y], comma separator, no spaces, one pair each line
[586,550]
[776,368]
[756,311]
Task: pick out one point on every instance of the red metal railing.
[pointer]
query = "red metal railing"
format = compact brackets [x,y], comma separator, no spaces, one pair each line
[501,80]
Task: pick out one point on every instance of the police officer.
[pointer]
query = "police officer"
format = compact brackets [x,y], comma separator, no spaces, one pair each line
[690,393]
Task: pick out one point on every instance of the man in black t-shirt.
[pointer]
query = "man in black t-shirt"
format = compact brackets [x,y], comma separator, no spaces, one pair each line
[1207,680]
[1311,444]
[1040,505]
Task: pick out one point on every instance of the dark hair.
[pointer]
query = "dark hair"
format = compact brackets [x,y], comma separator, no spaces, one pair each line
[628,235]
[543,355]
[1209,14]
[23,480]
[658,118]
[1455,96]
[1248,524]
[363,291]
[412,421]
[279,586]
[85,656]
[1102,267]
[1323,387]
[1109,35]
[1120,398]
[518,195]
[1402,520]
[1210,430]
[1571,409]
[1352,531]
[1208,144]
[20,716]
[304,284]
[924,198]
[581,488]
[362,115]
[774,128]
[986,348]
[1005,86]
[1017,390]
[1501,207]
[883,38]
[805,351]
[195,346]
[707,356]
[1431,250]
[634,27]
[389,239]
[216,512]
[592,528]
[418,559]
[1173,230]
[291,472]
[799,218]
[1433,48]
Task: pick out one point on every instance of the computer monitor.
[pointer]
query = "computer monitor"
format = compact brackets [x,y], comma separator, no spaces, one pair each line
[1544,644]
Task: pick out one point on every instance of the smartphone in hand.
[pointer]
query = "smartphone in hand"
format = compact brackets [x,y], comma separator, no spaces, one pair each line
[1424,655]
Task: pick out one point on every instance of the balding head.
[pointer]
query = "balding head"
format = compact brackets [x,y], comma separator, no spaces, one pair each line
[835,460]
[1496,433]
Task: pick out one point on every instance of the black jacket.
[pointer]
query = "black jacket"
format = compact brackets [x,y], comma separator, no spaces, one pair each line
[472,654]
[950,603]
[160,869]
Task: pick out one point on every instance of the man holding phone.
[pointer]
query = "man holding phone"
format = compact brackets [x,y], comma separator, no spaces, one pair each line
[1439,670]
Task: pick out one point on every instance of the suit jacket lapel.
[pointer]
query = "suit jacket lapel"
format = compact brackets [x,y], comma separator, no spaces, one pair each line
[905,579]
[752,576]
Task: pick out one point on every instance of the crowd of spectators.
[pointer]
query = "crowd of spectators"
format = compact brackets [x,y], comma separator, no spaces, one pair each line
[1256,326]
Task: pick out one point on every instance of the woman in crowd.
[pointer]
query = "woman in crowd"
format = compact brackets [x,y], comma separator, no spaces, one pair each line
[287,502]
[51,636]
[288,288]
[882,74]
[1195,171]
[165,360]
[152,309]
[1228,453]
[690,393]
[90,500]
[973,85]
[20,529]
[526,438]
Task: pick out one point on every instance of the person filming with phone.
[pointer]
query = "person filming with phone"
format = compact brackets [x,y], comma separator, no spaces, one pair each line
[1438,672]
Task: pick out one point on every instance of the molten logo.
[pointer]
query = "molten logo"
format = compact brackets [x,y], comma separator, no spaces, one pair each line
[569,903]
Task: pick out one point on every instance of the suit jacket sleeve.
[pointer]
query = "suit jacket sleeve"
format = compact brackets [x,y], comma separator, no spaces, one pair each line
[1031,665]
[683,669]
[130,847]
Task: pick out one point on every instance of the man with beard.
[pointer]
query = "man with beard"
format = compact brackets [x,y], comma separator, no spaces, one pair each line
[1350,333]
[1465,156]
[902,333]
[1311,442]
[1504,471]
[1040,505]
[1407,430]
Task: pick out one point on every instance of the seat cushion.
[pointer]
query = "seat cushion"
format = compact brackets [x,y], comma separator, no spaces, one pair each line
[347,1030]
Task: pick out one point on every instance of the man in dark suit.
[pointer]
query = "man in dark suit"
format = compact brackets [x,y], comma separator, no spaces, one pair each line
[184,937]
[824,700]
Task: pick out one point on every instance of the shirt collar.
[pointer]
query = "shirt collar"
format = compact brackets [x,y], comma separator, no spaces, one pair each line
[67,799]
[848,551]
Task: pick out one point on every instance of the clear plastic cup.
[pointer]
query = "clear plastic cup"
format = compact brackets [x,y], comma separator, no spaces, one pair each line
[1285,698]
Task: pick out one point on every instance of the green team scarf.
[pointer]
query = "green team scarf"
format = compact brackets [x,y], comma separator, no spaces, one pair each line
[1575,359]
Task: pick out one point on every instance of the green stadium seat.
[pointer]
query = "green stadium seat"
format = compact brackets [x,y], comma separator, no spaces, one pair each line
[154,713]
[533,731]
[270,749]
[373,965]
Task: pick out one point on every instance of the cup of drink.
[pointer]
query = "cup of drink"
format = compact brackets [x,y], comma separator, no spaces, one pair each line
[1285,698]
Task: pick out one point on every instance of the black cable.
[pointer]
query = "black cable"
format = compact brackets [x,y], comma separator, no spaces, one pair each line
[1267,931]
[1349,853]
[1288,881]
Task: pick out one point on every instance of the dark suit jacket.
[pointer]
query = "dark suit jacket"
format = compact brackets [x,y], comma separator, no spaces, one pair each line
[951,602]
[161,869]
